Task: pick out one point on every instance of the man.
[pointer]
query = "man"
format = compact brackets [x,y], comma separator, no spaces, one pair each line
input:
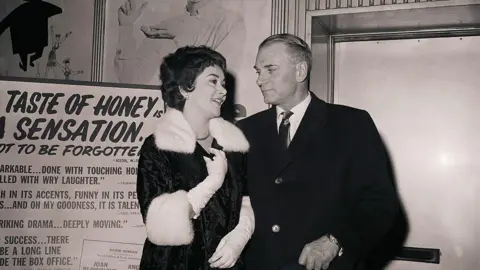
[317,173]
[203,22]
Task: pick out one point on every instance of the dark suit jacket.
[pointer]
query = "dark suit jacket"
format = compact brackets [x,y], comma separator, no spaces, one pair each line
[333,179]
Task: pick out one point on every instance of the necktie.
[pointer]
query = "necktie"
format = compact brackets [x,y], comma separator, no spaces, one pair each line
[283,130]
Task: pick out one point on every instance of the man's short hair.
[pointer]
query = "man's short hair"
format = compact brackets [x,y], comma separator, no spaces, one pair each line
[297,47]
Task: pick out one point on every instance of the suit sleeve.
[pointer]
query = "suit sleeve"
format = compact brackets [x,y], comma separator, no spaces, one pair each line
[165,209]
[371,195]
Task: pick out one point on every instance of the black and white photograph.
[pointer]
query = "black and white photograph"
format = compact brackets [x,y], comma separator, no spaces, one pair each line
[239,134]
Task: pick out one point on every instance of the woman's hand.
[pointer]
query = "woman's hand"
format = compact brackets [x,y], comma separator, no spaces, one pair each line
[217,168]
[219,163]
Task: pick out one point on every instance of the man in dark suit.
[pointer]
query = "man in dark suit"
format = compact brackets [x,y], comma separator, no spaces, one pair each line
[317,173]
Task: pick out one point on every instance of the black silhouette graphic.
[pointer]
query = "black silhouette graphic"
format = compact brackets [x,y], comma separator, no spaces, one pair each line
[29,29]
[2,127]
[3,67]
[57,40]
[66,69]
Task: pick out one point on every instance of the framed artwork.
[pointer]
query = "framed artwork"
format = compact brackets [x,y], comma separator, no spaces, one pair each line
[139,33]
[122,42]
[46,39]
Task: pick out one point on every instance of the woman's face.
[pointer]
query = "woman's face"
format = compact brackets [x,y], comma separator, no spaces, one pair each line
[209,93]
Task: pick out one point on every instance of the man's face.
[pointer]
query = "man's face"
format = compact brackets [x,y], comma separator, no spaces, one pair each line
[276,75]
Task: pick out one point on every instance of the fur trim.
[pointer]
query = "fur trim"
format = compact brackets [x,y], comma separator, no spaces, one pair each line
[175,134]
[228,135]
[168,221]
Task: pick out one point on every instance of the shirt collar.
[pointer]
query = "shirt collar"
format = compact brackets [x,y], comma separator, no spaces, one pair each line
[298,110]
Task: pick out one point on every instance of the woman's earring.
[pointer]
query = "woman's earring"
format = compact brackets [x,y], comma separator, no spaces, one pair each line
[184,93]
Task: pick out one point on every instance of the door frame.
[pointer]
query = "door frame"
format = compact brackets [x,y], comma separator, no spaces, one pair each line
[353,59]
[331,38]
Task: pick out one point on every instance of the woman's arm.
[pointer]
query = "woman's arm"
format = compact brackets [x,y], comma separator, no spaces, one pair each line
[231,246]
[165,208]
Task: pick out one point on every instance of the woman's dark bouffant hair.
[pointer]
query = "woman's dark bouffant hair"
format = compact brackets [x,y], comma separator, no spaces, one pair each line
[181,68]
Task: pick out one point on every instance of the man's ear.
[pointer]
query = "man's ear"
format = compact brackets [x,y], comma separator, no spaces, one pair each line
[301,71]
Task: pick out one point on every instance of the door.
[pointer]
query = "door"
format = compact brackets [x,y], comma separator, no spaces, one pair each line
[424,96]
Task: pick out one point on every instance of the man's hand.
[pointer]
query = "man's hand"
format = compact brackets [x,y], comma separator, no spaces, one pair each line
[128,12]
[318,254]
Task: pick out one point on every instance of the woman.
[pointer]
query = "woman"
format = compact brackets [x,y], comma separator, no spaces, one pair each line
[190,194]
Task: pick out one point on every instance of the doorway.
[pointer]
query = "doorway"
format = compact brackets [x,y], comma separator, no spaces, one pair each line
[417,72]
[424,97]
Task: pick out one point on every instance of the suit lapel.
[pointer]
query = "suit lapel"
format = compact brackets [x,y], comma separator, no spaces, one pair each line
[276,158]
[310,128]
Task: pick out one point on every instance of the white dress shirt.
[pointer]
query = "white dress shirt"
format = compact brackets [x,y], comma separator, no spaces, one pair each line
[296,118]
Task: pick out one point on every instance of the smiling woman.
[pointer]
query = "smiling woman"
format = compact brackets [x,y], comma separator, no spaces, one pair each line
[179,171]
[208,95]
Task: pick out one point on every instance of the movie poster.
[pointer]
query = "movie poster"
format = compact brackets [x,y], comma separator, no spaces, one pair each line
[68,158]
